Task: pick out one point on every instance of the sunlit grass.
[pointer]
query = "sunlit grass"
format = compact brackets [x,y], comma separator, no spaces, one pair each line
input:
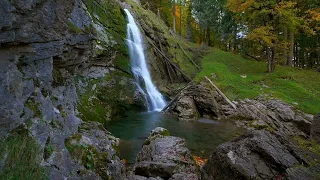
[300,88]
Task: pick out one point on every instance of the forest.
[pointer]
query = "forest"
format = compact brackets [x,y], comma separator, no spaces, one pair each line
[283,32]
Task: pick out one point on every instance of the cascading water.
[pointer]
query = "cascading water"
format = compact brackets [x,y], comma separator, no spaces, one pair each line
[139,66]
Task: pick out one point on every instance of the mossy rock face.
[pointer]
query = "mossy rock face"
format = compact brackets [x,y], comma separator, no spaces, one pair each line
[310,145]
[109,98]
[110,16]
[94,148]
[84,152]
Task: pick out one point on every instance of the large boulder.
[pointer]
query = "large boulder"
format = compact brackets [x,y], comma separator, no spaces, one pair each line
[259,154]
[164,156]
[273,115]
[196,101]
[315,128]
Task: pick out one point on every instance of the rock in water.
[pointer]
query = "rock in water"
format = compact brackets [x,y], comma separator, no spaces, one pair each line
[315,128]
[164,156]
[196,101]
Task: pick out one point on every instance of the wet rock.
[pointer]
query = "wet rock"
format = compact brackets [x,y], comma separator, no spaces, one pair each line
[255,155]
[166,157]
[196,101]
[315,128]
[186,109]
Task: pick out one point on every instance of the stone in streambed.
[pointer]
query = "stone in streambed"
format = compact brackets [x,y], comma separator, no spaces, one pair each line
[196,101]
[164,156]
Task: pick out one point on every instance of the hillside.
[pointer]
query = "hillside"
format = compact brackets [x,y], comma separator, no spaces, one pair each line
[300,88]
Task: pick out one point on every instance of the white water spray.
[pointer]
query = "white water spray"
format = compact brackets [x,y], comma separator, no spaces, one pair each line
[139,66]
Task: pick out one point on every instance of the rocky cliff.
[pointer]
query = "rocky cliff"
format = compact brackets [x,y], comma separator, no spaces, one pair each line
[55,59]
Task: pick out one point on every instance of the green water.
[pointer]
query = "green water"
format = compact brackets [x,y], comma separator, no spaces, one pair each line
[202,137]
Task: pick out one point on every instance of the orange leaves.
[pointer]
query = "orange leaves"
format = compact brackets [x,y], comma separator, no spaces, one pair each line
[200,161]
[239,5]
[263,33]
[314,14]
[313,18]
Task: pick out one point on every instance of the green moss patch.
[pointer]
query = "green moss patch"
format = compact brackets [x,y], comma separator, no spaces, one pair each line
[111,16]
[310,145]
[107,102]
[88,155]
[165,133]
[34,107]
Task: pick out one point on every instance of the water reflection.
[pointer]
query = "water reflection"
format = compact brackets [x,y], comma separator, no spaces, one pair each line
[202,136]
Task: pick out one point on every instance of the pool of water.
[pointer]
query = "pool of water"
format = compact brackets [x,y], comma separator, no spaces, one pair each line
[202,137]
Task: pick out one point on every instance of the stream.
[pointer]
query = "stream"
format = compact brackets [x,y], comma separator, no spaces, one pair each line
[202,137]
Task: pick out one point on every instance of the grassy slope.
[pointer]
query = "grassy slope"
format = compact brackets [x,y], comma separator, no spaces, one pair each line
[288,84]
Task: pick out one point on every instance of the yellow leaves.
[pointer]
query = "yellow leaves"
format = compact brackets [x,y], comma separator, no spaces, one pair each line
[311,21]
[239,5]
[288,14]
[285,5]
[263,33]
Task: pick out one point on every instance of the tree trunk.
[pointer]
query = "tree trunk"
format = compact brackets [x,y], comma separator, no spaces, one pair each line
[174,17]
[285,51]
[271,60]
[208,36]
[180,13]
[296,55]
[235,39]
[291,50]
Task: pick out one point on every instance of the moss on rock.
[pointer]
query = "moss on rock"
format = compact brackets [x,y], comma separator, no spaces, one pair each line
[85,153]
[111,99]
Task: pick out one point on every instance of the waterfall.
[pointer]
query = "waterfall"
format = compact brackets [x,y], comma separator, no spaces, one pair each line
[139,66]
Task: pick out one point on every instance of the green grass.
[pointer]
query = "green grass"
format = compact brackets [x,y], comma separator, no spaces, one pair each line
[288,84]
[23,161]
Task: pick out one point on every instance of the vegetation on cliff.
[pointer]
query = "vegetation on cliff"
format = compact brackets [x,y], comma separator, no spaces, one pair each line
[19,155]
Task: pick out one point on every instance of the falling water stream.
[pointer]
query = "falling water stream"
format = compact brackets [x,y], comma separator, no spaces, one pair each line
[202,137]
[139,66]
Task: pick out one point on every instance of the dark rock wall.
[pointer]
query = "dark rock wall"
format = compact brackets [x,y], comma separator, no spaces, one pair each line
[50,52]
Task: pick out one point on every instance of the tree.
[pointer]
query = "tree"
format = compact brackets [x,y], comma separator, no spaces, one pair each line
[207,14]
[267,22]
